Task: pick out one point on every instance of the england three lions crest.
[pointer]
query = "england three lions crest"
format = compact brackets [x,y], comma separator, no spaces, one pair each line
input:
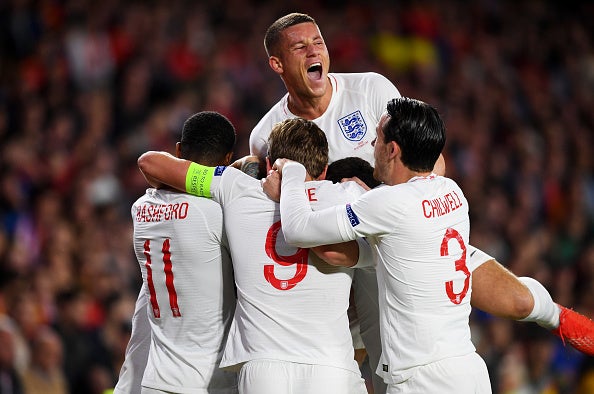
[353,126]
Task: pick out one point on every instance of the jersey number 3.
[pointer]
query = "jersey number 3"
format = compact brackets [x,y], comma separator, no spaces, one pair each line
[450,234]
[299,259]
[167,268]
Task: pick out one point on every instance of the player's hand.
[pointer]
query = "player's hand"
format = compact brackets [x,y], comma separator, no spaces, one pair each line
[357,181]
[279,164]
[272,185]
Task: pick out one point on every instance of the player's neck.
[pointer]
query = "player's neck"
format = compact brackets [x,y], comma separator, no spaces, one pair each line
[402,174]
[414,175]
[309,108]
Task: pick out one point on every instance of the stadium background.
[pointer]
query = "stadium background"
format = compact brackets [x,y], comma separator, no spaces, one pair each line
[87,86]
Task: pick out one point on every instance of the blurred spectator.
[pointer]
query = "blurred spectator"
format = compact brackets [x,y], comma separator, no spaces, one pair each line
[45,374]
[10,381]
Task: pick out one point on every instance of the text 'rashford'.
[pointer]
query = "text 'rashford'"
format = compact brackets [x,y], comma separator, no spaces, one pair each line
[161,212]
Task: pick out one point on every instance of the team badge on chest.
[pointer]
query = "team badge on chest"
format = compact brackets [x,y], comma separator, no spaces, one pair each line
[353,126]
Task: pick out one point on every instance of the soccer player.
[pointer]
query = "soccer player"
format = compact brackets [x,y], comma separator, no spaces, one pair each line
[290,332]
[181,246]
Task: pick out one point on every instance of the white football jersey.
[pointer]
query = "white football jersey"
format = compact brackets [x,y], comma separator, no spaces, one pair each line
[357,104]
[132,369]
[180,244]
[420,230]
[290,305]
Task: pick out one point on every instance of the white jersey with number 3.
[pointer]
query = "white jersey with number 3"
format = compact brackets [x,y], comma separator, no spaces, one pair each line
[420,229]
[181,247]
[357,104]
[291,306]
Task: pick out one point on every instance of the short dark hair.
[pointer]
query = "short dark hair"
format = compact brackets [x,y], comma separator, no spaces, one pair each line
[350,167]
[207,137]
[273,34]
[300,140]
[419,131]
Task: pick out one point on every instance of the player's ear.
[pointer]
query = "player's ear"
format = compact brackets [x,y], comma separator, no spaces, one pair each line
[228,157]
[275,64]
[394,149]
[268,165]
[178,149]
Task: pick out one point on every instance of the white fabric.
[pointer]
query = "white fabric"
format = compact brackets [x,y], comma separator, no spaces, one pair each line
[476,258]
[357,104]
[421,322]
[278,377]
[456,375]
[137,350]
[545,312]
[191,300]
[295,311]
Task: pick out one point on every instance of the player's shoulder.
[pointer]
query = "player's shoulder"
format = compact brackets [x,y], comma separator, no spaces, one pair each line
[234,178]
[340,192]
[363,78]
[351,188]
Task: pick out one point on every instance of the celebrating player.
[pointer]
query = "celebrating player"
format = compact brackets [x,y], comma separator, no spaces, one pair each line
[187,297]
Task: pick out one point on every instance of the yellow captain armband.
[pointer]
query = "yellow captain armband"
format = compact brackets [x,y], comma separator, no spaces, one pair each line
[198,179]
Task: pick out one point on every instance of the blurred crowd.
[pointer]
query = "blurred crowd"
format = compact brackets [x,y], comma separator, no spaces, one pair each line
[87,86]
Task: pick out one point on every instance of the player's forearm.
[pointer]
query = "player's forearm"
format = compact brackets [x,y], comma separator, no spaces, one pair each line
[345,254]
[164,168]
[301,226]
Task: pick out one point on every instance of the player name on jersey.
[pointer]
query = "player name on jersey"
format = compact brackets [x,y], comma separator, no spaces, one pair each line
[442,205]
[161,212]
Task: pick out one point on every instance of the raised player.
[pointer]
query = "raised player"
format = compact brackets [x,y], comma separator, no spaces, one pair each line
[346,107]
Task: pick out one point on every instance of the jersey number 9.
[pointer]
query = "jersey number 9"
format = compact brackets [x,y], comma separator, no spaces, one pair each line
[299,259]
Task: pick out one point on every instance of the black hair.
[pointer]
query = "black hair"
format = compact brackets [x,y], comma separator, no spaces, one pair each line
[419,131]
[207,137]
[350,167]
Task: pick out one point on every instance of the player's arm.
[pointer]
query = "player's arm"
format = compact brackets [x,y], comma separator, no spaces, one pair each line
[497,291]
[301,226]
[251,165]
[164,168]
[346,254]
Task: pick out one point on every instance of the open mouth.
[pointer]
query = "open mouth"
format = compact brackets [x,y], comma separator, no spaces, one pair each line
[315,71]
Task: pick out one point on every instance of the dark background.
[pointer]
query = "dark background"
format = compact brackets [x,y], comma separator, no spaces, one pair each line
[87,86]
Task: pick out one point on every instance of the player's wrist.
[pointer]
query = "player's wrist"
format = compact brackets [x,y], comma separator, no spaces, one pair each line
[198,179]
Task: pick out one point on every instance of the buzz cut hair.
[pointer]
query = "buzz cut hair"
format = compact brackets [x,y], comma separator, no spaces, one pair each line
[274,33]
[207,137]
